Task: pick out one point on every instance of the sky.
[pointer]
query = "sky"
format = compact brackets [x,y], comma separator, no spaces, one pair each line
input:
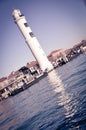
[57,24]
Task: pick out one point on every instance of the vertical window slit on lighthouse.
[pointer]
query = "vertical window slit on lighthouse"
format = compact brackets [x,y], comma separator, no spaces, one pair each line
[21,15]
[26,24]
[31,34]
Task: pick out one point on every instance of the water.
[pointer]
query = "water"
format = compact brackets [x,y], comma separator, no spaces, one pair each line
[57,102]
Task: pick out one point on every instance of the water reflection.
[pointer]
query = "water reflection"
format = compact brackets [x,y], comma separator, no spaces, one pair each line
[64,99]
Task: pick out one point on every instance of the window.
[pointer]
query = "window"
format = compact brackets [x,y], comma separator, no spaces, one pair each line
[26,24]
[21,15]
[31,34]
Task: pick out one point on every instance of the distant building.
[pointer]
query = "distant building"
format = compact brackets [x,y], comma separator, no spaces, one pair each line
[82,43]
[83,49]
[3,82]
[12,77]
[34,67]
[56,55]
[33,64]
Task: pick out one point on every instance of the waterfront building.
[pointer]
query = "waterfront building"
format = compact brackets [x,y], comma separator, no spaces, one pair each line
[56,56]
[34,67]
[83,49]
[3,82]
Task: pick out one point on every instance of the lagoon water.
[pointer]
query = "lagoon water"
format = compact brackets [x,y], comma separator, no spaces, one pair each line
[57,102]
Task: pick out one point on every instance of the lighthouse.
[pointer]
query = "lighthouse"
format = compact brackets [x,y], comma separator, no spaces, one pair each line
[32,41]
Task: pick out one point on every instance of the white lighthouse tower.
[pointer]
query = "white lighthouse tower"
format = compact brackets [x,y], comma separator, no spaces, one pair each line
[32,41]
